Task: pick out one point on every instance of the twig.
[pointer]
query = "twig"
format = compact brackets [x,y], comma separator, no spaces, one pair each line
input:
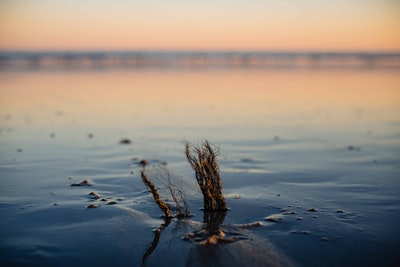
[156,196]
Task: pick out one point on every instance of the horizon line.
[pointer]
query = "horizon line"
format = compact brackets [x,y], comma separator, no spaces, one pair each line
[264,51]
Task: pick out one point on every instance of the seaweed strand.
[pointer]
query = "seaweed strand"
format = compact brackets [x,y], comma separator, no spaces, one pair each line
[161,204]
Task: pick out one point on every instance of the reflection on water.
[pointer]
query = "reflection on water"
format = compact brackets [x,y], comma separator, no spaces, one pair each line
[216,244]
[201,99]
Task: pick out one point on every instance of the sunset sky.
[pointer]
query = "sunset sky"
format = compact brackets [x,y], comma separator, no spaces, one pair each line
[291,25]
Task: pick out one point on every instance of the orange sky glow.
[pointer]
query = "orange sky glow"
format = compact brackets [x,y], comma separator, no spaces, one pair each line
[364,25]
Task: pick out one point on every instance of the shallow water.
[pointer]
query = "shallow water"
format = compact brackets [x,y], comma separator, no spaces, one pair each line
[318,147]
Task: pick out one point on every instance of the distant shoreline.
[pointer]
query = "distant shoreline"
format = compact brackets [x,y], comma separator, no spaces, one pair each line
[20,60]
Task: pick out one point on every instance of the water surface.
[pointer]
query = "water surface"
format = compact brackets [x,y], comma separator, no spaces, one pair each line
[319,144]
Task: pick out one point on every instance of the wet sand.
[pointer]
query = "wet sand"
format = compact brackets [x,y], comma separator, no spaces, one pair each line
[325,170]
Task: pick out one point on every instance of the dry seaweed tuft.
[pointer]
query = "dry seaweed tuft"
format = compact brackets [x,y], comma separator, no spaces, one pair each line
[203,160]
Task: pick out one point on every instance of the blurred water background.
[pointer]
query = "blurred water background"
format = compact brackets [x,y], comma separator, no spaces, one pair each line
[296,131]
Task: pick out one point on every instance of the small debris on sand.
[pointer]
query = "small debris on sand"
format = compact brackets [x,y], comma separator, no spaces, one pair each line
[19,150]
[274,218]
[84,182]
[90,135]
[289,213]
[204,238]
[144,162]
[125,141]
[247,160]
[212,240]
[94,195]
[354,148]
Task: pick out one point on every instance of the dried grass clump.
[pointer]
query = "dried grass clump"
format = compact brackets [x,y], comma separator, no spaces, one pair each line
[203,160]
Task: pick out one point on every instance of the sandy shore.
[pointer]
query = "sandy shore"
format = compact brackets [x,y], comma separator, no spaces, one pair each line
[323,183]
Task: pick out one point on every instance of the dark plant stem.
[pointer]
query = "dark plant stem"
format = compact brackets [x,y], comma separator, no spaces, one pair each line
[156,196]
